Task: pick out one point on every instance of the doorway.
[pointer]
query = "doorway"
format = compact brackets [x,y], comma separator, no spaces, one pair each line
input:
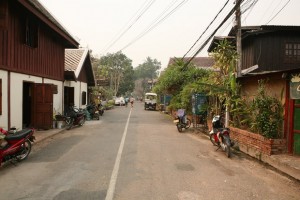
[27,104]
[68,97]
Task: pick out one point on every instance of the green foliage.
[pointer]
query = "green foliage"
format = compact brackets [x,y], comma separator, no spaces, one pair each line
[115,66]
[127,81]
[147,71]
[181,83]
[267,118]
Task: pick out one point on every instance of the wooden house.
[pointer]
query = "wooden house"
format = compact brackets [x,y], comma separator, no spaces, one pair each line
[32,57]
[79,77]
[273,53]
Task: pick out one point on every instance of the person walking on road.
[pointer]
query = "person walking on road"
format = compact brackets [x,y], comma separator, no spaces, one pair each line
[131,101]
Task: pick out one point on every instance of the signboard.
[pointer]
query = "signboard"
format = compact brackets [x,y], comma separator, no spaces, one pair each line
[199,104]
[295,87]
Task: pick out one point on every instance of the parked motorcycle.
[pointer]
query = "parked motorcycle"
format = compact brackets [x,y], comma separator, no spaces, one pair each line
[101,109]
[93,111]
[220,136]
[181,120]
[74,116]
[15,145]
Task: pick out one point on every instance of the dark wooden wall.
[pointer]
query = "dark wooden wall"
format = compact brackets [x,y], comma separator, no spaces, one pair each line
[46,60]
[268,51]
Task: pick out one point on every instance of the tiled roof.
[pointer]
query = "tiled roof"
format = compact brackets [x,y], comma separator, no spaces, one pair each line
[74,59]
[201,62]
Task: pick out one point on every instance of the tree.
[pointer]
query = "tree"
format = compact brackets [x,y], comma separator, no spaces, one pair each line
[115,64]
[147,71]
[127,82]
[181,82]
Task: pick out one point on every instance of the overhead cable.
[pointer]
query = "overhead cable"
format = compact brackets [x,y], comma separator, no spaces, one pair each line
[214,32]
[155,23]
[279,11]
[206,28]
[139,14]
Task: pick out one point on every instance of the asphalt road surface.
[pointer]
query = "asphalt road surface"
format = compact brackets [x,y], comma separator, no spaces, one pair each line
[136,154]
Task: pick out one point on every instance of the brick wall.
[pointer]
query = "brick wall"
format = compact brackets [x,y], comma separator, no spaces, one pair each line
[257,142]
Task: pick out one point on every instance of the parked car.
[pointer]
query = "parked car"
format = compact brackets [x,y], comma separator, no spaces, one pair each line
[120,101]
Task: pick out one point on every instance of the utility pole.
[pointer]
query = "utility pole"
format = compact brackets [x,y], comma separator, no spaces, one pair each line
[238,37]
[238,48]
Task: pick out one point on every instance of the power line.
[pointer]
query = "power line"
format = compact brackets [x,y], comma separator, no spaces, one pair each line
[156,22]
[206,28]
[279,11]
[213,33]
[140,13]
[250,8]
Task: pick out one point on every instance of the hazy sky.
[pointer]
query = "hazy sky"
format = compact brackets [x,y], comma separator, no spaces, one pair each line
[100,23]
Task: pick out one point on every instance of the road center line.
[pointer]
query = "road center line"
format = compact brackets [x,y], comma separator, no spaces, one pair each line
[114,175]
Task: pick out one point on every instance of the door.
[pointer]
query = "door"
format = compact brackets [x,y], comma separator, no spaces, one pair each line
[27,104]
[43,106]
[296,127]
[68,97]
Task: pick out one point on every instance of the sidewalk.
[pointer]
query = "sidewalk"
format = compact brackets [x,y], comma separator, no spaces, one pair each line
[45,134]
[284,163]
[287,164]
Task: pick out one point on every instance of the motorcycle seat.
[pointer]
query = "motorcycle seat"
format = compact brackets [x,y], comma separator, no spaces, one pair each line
[18,135]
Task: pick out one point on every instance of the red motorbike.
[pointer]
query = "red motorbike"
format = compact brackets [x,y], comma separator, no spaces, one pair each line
[15,145]
[219,136]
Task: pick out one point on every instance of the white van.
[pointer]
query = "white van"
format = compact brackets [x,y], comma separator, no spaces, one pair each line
[150,101]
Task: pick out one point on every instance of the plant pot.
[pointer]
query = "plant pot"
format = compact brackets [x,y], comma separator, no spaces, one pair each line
[54,124]
[61,124]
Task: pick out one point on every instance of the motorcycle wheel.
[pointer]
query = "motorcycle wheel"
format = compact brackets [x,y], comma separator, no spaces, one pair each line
[25,150]
[227,147]
[82,121]
[179,127]
[188,123]
[69,122]
[212,139]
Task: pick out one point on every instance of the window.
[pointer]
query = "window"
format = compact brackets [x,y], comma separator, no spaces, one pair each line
[83,98]
[31,33]
[0,96]
[292,52]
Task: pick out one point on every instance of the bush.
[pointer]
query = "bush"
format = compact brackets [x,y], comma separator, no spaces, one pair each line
[267,114]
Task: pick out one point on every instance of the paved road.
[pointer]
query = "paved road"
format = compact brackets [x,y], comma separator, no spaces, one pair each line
[136,154]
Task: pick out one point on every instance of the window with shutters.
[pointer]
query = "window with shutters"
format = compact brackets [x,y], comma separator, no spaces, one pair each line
[292,52]
[31,32]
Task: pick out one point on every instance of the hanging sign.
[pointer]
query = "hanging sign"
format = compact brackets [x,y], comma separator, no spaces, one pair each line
[295,87]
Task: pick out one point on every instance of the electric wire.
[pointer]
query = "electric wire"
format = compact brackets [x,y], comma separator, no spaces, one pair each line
[250,8]
[155,23]
[266,11]
[207,28]
[213,33]
[141,11]
[279,11]
[245,6]
[276,8]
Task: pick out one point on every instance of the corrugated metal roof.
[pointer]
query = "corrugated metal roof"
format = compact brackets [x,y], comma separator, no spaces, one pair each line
[201,62]
[263,28]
